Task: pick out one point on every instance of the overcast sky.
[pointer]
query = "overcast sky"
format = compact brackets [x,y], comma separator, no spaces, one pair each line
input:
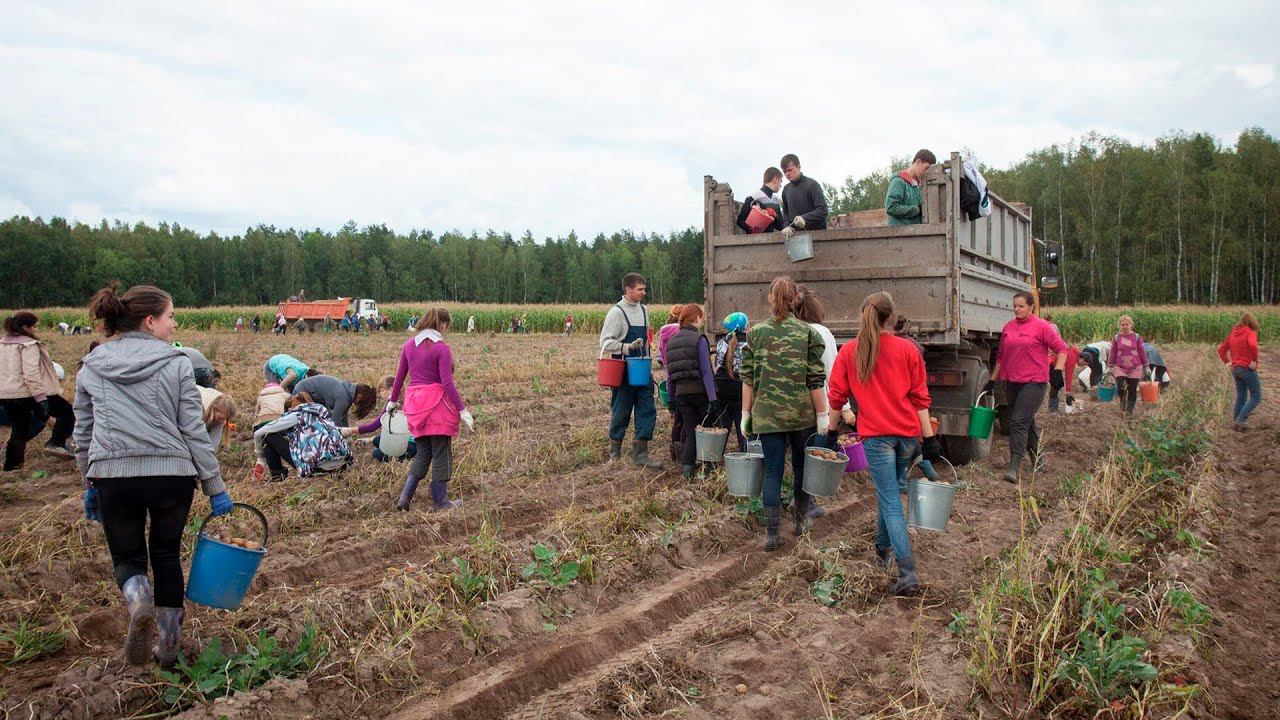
[582,116]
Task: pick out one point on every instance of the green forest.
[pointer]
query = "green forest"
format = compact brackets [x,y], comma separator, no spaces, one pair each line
[1184,219]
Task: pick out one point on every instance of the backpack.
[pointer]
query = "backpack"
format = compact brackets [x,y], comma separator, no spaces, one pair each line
[315,443]
[970,198]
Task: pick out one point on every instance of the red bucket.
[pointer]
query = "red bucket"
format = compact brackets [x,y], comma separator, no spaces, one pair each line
[610,372]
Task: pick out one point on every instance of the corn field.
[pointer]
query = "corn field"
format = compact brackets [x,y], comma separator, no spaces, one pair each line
[1160,323]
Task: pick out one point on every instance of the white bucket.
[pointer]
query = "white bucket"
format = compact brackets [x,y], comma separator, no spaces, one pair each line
[394,438]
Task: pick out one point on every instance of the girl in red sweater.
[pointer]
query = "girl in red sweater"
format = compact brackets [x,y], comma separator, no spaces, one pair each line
[884,377]
[1240,350]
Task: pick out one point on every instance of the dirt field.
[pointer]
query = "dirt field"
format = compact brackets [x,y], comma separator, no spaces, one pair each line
[675,610]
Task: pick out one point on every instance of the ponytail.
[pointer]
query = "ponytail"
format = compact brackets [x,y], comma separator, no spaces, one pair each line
[877,308]
[22,322]
[124,312]
[782,296]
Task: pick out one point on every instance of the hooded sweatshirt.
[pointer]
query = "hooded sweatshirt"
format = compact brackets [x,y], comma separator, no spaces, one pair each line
[1242,343]
[138,414]
[336,395]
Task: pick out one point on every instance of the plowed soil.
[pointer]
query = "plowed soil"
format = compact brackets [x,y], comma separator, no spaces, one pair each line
[677,610]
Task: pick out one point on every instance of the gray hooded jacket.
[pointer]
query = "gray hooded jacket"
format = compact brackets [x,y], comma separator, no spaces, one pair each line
[138,414]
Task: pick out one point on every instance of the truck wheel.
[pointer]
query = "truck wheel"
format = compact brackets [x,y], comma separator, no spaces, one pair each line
[962,449]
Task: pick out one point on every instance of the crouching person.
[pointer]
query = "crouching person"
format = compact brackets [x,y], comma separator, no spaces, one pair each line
[306,438]
[142,447]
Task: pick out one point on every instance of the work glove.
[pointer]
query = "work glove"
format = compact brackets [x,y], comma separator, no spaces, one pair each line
[745,424]
[820,420]
[787,232]
[467,420]
[798,223]
[932,449]
[92,508]
[346,432]
[220,504]
[989,387]
[1055,379]
[848,416]
[633,347]
[392,407]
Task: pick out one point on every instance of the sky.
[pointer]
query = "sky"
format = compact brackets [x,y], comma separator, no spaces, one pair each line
[575,116]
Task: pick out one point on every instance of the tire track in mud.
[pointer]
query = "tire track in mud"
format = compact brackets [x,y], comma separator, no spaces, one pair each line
[530,669]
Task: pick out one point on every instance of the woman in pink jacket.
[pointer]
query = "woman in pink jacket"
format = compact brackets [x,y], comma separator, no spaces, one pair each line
[432,406]
[1025,342]
[1129,362]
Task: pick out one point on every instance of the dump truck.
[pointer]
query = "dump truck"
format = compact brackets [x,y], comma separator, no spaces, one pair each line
[952,280]
[315,311]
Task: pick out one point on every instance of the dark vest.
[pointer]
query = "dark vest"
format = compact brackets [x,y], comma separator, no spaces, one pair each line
[683,372]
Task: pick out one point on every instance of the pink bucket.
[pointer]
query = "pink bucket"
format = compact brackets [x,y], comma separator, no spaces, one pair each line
[857,457]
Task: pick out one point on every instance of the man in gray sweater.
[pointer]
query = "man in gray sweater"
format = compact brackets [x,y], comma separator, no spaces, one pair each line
[625,333]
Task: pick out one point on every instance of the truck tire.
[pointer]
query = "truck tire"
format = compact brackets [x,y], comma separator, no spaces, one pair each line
[962,449]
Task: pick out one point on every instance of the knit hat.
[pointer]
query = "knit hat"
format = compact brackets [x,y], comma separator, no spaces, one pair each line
[735,321]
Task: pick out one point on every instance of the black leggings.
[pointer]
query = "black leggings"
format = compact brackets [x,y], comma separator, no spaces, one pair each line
[27,419]
[692,409]
[126,503]
[1127,389]
[1024,399]
[729,398]
[275,450]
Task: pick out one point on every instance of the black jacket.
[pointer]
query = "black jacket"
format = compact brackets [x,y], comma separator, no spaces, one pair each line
[683,372]
[804,198]
[765,199]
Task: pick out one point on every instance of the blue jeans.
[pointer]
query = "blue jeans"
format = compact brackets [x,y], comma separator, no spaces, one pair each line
[623,401]
[888,458]
[1248,392]
[775,460]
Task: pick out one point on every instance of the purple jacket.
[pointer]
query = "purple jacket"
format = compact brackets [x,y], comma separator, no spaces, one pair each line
[427,363]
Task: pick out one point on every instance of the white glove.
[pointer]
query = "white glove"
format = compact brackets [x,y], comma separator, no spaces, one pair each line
[745,423]
[787,232]
[847,415]
[798,223]
[393,406]
[633,347]
[821,421]
[467,420]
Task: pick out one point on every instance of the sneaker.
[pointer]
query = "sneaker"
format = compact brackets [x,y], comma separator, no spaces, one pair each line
[60,450]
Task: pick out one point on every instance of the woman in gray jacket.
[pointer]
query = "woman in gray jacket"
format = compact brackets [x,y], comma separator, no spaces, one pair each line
[141,446]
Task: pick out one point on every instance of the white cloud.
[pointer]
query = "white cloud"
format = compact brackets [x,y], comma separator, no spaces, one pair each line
[573,115]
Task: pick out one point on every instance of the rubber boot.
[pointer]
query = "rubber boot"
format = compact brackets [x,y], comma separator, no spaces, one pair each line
[615,450]
[815,510]
[800,517]
[1011,475]
[407,492]
[640,455]
[907,582]
[440,497]
[142,619]
[677,450]
[884,556]
[772,519]
[687,471]
[169,634]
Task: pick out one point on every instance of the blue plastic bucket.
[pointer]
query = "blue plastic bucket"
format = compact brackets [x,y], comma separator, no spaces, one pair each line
[639,371]
[1106,393]
[220,572]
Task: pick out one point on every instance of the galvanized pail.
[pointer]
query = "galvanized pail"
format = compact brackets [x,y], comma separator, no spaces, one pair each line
[929,503]
[710,444]
[821,476]
[799,247]
[744,473]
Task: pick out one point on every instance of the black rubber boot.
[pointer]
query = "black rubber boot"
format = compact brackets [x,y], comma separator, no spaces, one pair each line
[884,556]
[640,455]
[800,517]
[772,519]
[907,582]
[615,450]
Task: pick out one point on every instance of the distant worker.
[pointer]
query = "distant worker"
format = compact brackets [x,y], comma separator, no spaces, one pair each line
[471,323]
[1128,363]
[1155,365]
[903,201]
[257,324]
[803,201]
[240,324]
[286,370]
[205,374]
[568,324]
[762,210]
[1240,350]
[1094,357]
[625,333]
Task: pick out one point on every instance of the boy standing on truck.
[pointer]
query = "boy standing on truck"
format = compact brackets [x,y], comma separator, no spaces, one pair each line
[903,201]
[803,201]
[769,203]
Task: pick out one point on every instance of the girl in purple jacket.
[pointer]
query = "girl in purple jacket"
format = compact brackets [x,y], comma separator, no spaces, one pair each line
[432,406]
[1129,362]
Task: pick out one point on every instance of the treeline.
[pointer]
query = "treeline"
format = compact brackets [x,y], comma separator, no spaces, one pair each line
[1185,219]
[59,263]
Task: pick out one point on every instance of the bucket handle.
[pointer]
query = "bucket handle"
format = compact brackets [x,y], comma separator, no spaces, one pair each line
[807,445]
[978,402]
[955,476]
[250,508]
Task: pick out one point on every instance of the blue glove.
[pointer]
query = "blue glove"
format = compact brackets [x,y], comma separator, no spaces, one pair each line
[220,504]
[92,510]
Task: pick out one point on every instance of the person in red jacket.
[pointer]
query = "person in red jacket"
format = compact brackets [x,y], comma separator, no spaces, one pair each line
[884,377]
[1240,350]
[1059,379]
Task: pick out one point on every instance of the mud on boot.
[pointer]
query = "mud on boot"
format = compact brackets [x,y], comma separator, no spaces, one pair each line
[772,521]
[801,522]
[687,471]
[169,635]
[615,450]
[907,582]
[407,492]
[142,619]
[440,497]
[677,451]
[640,455]
[884,557]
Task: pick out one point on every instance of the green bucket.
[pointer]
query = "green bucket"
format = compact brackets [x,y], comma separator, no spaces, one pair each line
[662,394]
[981,419]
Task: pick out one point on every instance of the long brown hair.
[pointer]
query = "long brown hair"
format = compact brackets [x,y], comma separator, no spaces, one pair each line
[782,296]
[808,307]
[22,322]
[876,310]
[434,319]
[363,399]
[1246,320]
[124,312]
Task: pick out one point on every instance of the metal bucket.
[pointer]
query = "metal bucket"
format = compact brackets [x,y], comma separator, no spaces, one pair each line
[799,247]
[822,477]
[744,473]
[755,447]
[710,445]
[929,503]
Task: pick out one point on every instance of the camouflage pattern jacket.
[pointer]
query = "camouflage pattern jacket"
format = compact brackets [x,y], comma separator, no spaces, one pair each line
[782,363]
